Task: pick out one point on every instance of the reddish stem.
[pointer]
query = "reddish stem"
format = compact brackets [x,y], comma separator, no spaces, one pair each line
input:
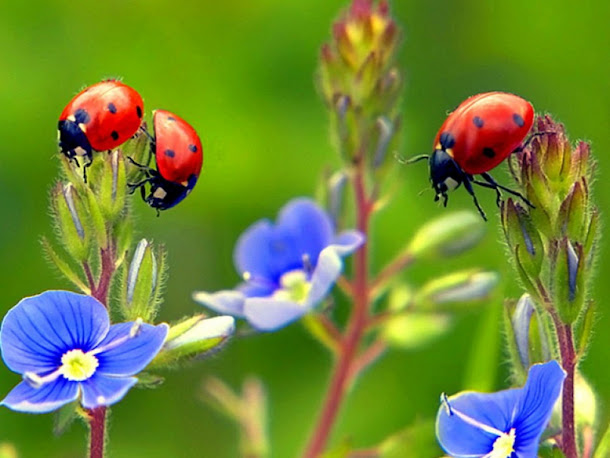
[97,422]
[97,438]
[349,345]
[568,362]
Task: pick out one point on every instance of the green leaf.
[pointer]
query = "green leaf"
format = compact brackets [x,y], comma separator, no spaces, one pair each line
[64,417]
[412,330]
[64,266]
[96,218]
[148,380]
[603,449]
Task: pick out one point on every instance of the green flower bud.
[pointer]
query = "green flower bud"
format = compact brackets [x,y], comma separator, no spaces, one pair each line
[462,286]
[194,338]
[523,238]
[567,273]
[70,217]
[529,333]
[141,288]
[414,330]
[113,186]
[572,219]
[447,235]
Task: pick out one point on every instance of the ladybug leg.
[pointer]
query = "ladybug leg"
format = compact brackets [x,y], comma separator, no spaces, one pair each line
[468,186]
[133,186]
[528,141]
[497,186]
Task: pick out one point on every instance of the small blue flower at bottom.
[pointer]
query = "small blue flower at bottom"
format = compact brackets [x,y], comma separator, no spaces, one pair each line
[506,424]
[65,348]
[287,267]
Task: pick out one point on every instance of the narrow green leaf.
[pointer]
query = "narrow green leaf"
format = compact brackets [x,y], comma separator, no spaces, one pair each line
[64,267]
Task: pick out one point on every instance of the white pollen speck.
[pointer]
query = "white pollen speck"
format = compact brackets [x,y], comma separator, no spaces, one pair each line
[100,399]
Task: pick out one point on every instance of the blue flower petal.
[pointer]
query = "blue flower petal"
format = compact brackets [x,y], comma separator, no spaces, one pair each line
[461,439]
[40,329]
[224,302]
[347,242]
[266,251]
[309,226]
[533,411]
[251,253]
[133,354]
[266,314]
[256,288]
[330,265]
[49,397]
[527,410]
[100,390]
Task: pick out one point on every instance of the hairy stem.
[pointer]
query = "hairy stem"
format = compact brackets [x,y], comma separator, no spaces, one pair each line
[568,362]
[97,422]
[97,438]
[348,350]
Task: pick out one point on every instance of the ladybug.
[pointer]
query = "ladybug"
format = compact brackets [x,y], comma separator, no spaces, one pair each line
[101,117]
[483,131]
[179,157]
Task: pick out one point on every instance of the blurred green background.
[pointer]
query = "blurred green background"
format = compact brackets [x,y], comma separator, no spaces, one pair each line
[242,73]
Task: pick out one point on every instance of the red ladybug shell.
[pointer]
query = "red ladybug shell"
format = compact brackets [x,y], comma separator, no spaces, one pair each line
[485,129]
[178,149]
[114,113]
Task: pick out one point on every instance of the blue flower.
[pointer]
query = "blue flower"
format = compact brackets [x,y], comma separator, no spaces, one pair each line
[506,424]
[287,267]
[65,348]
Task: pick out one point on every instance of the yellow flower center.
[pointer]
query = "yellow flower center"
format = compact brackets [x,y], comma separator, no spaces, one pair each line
[294,287]
[78,366]
[504,445]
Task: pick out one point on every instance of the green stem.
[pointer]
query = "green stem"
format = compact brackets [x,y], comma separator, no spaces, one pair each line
[348,350]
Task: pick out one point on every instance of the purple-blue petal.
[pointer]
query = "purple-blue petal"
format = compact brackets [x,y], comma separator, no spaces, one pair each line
[100,390]
[224,302]
[49,397]
[330,265]
[266,251]
[252,250]
[538,396]
[40,329]
[256,288]
[347,242]
[461,439]
[134,353]
[527,410]
[309,227]
[267,314]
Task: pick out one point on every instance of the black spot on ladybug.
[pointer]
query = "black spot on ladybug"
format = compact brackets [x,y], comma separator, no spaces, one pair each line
[81,116]
[518,119]
[139,111]
[112,108]
[114,134]
[169,153]
[447,140]
[489,152]
[171,118]
[193,148]
[477,121]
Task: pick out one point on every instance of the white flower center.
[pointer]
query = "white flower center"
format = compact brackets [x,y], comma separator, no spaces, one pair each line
[504,445]
[78,366]
[294,287]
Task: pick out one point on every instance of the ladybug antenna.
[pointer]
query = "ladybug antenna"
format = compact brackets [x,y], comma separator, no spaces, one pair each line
[415,159]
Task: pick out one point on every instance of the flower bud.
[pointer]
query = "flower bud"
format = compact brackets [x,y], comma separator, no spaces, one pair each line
[70,217]
[529,334]
[193,338]
[113,186]
[336,194]
[414,330]
[462,286]
[141,288]
[447,235]
[573,212]
[567,273]
[523,239]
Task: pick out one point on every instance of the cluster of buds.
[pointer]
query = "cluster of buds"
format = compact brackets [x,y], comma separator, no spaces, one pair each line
[360,83]
[552,242]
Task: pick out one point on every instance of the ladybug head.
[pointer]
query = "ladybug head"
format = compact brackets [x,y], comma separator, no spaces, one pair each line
[445,174]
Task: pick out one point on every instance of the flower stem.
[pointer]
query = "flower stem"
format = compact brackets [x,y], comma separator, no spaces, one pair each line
[97,438]
[348,349]
[97,422]
[568,362]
